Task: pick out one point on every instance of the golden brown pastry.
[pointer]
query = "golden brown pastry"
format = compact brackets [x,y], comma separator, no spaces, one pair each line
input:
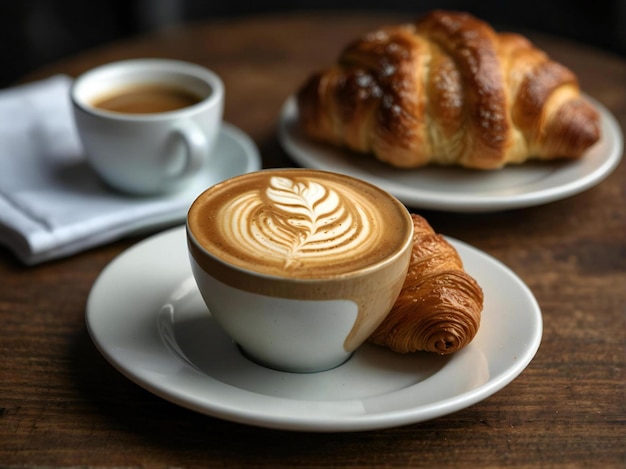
[439,306]
[448,89]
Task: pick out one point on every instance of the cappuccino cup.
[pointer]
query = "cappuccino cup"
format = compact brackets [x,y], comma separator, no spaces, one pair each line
[148,125]
[298,266]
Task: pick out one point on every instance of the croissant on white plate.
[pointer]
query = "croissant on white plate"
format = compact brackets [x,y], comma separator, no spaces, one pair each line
[440,305]
[447,89]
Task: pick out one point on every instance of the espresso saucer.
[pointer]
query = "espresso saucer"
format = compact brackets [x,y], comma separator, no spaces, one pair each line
[146,316]
[234,153]
[459,189]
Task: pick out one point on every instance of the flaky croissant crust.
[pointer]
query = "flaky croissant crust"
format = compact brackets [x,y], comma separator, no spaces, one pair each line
[448,89]
[439,307]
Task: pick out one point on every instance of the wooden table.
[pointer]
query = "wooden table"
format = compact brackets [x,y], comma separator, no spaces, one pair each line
[62,404]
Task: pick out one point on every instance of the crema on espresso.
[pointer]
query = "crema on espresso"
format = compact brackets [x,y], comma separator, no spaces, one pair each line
[298,223]
[147,99]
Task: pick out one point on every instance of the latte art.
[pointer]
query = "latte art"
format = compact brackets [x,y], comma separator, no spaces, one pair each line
[298,222]
[298,266]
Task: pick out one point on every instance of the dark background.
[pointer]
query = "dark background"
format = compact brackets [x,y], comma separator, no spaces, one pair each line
[37,32]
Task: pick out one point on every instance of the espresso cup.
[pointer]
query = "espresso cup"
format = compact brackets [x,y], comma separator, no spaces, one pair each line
[298,266]
[148,125]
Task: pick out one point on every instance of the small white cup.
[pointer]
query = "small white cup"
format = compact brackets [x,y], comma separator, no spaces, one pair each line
[148,153]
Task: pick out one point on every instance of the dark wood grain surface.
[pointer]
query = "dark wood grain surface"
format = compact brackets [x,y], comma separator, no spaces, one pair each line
[62,404]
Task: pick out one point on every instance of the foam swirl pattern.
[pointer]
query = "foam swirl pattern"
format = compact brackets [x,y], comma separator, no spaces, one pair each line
[296,222]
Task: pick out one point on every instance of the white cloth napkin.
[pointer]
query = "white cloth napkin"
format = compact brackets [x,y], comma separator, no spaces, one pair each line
[51,204]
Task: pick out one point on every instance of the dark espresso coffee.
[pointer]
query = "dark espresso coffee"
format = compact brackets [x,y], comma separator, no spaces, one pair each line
[147,99]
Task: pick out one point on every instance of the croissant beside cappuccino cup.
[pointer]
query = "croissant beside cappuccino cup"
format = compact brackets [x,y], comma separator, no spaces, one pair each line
[298,266]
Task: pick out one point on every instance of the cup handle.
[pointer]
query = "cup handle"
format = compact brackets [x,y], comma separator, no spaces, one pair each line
[196,148]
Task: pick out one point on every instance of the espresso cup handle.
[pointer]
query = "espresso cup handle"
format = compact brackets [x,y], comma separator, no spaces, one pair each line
[196,148]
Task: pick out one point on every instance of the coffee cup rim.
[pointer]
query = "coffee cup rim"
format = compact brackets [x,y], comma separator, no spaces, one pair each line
[199,72]
[196,248]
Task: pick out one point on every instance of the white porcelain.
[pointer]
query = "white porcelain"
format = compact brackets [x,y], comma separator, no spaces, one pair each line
[286,334]
[146,316]
[148,153]
[296,324]
[458,189]
[236,154]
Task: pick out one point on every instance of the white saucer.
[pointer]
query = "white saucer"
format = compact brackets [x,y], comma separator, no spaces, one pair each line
[145,315]
[458,189]
[234,153]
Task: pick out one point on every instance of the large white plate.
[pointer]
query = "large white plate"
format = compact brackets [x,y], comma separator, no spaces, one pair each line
[458,189]
[146,317]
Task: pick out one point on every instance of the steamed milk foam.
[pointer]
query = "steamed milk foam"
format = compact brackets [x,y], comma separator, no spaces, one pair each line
[298,224]
[307,235]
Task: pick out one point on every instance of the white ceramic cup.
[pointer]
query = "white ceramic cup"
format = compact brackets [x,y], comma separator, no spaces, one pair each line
[298,266]
[148,153]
